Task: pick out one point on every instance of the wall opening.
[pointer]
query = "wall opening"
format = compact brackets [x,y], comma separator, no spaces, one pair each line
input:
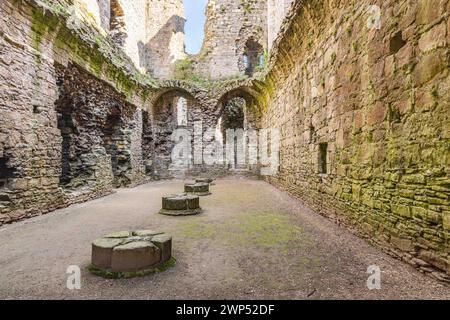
[66,125]
[67,128]
[253,56]
[233,116]
[36,109]
[6,172]
[323,158]
[195,24]
[147,142]
[111,136]
[396,43]
[312,134]
[172,110]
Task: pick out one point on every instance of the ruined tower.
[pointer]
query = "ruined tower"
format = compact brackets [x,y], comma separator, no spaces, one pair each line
[164,42]
[151,32]
[235,38]
[276,14]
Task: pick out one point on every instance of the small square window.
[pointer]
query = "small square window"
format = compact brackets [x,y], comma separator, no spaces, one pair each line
[5,172]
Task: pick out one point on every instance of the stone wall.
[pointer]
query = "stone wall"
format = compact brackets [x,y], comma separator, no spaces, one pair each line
[277,11]
[363,110]
[151,32]
[202,105]
[100,10]
[57,95]
[100,131]
[229,26]
[164,44]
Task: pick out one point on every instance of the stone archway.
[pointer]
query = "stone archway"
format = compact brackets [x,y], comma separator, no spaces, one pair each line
[202,111]
[241,97]
[171,109]
[236,126]
[253,56]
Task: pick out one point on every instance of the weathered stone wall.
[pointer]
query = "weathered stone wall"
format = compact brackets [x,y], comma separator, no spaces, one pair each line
[151,32]
[100,10]
[229,25]
[203,105]
[38,54]
[364,119]
[100,132]
[277,11]
[164,43]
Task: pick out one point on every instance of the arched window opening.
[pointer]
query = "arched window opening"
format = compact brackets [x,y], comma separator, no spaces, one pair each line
[233,116]
[253,56]
[195,25]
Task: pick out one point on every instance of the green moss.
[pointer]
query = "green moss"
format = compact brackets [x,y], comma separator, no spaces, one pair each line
[247,229]
[197,229]
[85,46]
[136,274]
[184,70]
[42,24]
[434,92]
[333,58]
[266,230]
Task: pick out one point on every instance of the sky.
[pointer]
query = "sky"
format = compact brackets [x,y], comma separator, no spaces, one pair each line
[194,29]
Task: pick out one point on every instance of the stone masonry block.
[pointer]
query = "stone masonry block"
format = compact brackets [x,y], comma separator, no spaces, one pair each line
[164,243]
[135,256]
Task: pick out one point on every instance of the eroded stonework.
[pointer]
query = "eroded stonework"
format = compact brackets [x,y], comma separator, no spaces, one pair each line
[363,111]
[129,254]
[361,105]
[231,28]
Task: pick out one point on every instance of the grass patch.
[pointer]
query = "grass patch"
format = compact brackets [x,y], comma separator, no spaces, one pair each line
[249,229]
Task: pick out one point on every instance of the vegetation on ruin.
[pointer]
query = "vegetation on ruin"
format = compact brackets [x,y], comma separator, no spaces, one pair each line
[184,71]
[87,46]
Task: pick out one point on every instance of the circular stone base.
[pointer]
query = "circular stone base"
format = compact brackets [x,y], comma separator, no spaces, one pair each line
[205,180]
[131,254]
[176,213]
[181,205]
[198,189]
[108,274]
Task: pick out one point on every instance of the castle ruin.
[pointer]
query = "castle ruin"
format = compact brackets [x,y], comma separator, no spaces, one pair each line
[91,92]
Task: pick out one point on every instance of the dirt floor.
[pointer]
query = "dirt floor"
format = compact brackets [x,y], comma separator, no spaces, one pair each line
[252,242]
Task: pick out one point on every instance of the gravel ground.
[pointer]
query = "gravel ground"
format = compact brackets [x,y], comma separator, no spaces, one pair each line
[252,242]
